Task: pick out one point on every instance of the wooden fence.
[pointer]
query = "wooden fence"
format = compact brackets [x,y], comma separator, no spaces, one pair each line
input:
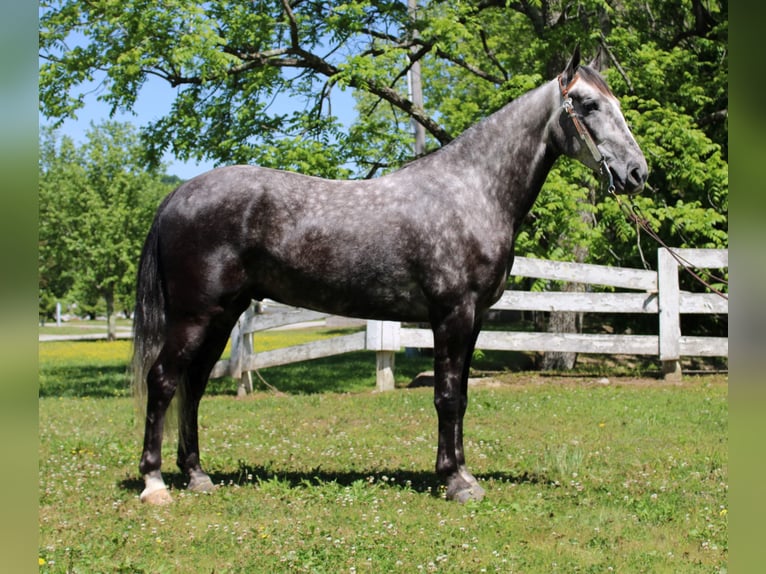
[654,292]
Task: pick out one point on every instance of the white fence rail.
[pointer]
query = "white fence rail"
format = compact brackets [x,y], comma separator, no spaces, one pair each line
[657,292]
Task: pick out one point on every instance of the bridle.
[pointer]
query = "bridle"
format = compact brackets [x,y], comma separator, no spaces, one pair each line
[584,133]
[632,211]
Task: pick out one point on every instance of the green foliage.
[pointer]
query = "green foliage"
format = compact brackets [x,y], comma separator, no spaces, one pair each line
[96,206]
[237,68]
[56,274]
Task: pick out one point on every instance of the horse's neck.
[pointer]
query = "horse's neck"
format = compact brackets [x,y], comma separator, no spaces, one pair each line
[511,149]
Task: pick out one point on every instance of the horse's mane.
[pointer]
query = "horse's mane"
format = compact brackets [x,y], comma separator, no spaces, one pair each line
[593,77]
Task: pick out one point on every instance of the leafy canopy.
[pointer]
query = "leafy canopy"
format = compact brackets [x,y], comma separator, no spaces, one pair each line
[233,65]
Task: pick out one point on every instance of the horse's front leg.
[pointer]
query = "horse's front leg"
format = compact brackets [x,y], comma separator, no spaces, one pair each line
[454,340]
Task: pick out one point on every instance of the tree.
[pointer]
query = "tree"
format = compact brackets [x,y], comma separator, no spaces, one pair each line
[60,175]
[96,205]
[230,62]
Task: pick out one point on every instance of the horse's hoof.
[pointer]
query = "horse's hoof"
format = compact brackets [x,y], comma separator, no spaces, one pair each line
[463,486]
[158,497]
[462,495]
[201,483]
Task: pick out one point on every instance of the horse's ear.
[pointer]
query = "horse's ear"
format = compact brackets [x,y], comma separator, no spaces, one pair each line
[598,62]
[571,68]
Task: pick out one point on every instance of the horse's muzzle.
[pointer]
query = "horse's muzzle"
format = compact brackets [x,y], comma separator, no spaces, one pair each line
[633,179]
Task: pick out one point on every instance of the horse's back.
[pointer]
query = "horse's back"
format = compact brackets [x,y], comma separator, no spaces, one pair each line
[374,248]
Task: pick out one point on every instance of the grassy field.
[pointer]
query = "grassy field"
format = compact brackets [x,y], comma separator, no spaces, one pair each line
[581,475]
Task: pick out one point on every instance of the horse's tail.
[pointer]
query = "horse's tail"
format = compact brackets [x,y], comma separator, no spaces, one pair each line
[149,316]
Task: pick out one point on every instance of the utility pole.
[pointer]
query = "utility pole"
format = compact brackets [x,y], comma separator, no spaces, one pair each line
[415,87]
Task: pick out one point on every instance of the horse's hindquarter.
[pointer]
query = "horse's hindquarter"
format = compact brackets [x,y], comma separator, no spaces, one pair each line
[375,249]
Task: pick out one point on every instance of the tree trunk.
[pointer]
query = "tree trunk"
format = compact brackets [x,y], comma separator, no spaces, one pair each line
[568,321]
[563,322]
[111,319]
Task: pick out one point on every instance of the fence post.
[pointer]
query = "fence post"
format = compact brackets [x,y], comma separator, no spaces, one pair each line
[383,337]
[670,318]
[241,347]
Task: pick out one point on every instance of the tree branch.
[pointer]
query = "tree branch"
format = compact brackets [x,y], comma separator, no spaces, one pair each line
[616,62]
[393,97]
[303,59]
[491,55]
[297,57]
[412,57]
[294,40]
[470,67]
[703,24]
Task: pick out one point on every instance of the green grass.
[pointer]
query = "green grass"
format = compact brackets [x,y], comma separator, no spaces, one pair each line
[332,477]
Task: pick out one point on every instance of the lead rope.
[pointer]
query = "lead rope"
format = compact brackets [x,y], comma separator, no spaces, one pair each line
[633,213]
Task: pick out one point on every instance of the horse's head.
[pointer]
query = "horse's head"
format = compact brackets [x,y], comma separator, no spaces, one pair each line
[591,128]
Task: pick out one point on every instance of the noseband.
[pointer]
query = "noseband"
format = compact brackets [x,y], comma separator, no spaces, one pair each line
[584,133]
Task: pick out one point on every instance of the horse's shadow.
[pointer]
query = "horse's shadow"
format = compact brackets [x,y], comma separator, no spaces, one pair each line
[420,481]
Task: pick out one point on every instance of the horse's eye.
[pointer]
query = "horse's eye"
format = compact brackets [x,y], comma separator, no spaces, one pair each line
[590,107]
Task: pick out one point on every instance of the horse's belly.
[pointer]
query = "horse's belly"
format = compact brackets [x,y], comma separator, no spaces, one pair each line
[404,307]
[351,290]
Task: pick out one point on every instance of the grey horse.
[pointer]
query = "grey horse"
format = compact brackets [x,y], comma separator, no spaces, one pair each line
[432,242]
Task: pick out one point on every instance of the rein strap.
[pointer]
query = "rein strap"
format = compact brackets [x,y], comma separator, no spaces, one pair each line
[633,213]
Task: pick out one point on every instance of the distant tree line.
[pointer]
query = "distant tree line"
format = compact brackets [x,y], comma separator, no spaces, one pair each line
[96,203]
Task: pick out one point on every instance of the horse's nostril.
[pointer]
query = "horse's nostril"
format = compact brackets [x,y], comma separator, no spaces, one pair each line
[637,175]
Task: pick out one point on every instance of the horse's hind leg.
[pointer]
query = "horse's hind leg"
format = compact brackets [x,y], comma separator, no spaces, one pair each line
[196,381]
[454,340]
[181,343]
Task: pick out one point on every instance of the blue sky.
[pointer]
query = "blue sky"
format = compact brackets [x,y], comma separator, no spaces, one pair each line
[154,100]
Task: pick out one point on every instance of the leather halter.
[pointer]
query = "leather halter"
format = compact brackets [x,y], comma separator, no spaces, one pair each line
[582,130]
